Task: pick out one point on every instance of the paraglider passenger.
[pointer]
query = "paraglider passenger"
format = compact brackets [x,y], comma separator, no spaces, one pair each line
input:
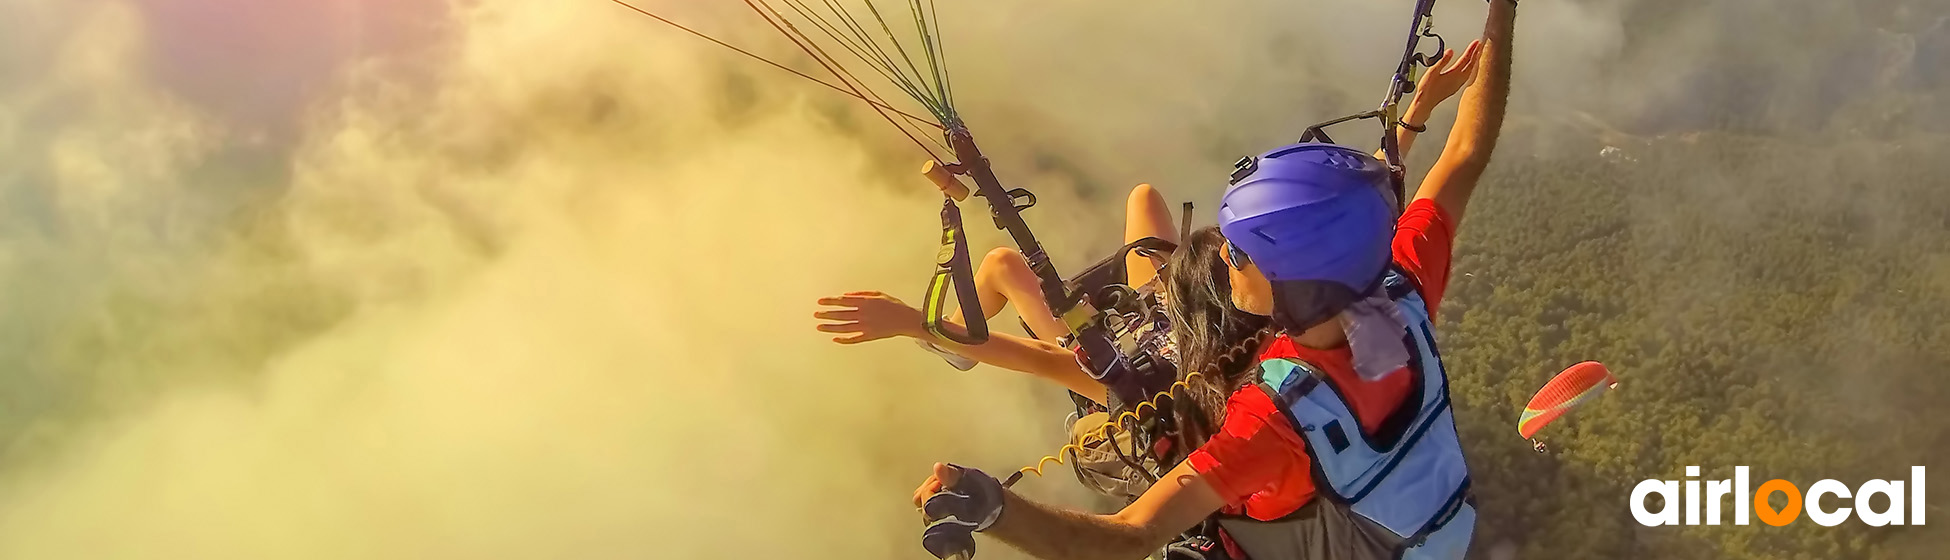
[1004,278]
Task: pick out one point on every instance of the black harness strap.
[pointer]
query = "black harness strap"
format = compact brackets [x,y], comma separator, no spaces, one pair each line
[951,268]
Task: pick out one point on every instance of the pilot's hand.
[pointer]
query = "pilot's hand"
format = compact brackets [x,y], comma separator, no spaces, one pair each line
[957,502]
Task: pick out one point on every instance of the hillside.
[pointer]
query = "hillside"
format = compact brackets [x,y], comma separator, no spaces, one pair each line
[1767,302]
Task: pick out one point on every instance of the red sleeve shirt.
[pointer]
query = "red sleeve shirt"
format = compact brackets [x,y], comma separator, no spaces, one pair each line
[1256,461]
[1424,241]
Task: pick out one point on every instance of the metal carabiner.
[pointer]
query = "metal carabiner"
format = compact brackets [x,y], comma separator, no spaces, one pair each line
[1426,60]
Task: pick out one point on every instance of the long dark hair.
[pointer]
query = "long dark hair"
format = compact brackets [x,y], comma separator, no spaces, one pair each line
[1212,336]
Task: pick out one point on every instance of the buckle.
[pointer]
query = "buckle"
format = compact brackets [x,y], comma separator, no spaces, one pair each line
[1245,167]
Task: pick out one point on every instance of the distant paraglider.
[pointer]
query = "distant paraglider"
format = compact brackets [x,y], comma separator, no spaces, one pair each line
[1575,386]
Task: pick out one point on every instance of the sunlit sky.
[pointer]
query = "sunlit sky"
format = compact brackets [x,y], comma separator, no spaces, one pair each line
[257,62]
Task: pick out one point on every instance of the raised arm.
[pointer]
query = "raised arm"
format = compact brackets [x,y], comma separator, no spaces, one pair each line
[1479,119]
[868,316]
[1441,82]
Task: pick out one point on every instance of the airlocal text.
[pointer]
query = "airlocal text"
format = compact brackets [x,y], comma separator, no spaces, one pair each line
[1748,498]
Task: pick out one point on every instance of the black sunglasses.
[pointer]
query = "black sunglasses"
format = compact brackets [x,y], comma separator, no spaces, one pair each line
[1236,258]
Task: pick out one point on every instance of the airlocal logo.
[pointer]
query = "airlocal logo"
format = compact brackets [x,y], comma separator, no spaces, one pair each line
[1759,498]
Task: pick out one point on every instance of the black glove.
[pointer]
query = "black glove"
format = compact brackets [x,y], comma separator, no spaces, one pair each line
[957,512]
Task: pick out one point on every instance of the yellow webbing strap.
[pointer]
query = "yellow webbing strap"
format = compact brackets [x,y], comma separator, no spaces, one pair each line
[952,272]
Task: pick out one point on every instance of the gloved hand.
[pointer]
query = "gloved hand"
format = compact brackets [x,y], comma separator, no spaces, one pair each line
[957,502]
[1199,548]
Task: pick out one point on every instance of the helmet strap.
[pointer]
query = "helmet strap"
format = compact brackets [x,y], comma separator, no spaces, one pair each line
[1299,305]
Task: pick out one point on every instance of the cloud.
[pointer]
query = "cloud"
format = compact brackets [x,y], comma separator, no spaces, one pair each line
[551,309]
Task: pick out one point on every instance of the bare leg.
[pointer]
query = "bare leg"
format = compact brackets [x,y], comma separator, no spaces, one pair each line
[1146,215]
[1004,278]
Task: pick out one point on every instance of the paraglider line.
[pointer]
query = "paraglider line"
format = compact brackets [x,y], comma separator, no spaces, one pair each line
[820,56]
[941,54]
[879,59]
[864,48]
[920,77]
[868,51]
[877,104]
[852,45]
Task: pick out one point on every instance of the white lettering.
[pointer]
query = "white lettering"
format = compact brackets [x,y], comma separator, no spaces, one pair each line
[1668,515]
[1715,490]
[1809,502]
[1742,496]
[1692,495]
[1891,516]
[1916,503]
[1827,518]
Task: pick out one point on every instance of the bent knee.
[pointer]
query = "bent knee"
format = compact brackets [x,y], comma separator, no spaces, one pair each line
[1145,195]
[1145,215]
[1004,259]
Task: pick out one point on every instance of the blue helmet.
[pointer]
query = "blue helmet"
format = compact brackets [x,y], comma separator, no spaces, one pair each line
[1317,219]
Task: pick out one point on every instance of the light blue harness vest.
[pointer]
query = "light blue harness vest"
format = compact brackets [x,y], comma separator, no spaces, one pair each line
[1402,493]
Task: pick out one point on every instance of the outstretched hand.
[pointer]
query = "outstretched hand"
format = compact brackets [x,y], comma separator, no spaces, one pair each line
[867,316]
[1449,75]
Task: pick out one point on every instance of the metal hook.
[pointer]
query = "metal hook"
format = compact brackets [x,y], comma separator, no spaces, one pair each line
[1022,199]
[1441,46]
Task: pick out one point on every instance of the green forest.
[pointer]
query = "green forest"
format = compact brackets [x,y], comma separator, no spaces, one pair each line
[1765,301]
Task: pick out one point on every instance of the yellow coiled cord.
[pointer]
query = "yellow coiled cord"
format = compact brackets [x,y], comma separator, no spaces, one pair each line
[1249,345]
[1104,430]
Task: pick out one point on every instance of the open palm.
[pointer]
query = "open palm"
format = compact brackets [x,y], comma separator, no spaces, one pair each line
[867,316]
[1449,75]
